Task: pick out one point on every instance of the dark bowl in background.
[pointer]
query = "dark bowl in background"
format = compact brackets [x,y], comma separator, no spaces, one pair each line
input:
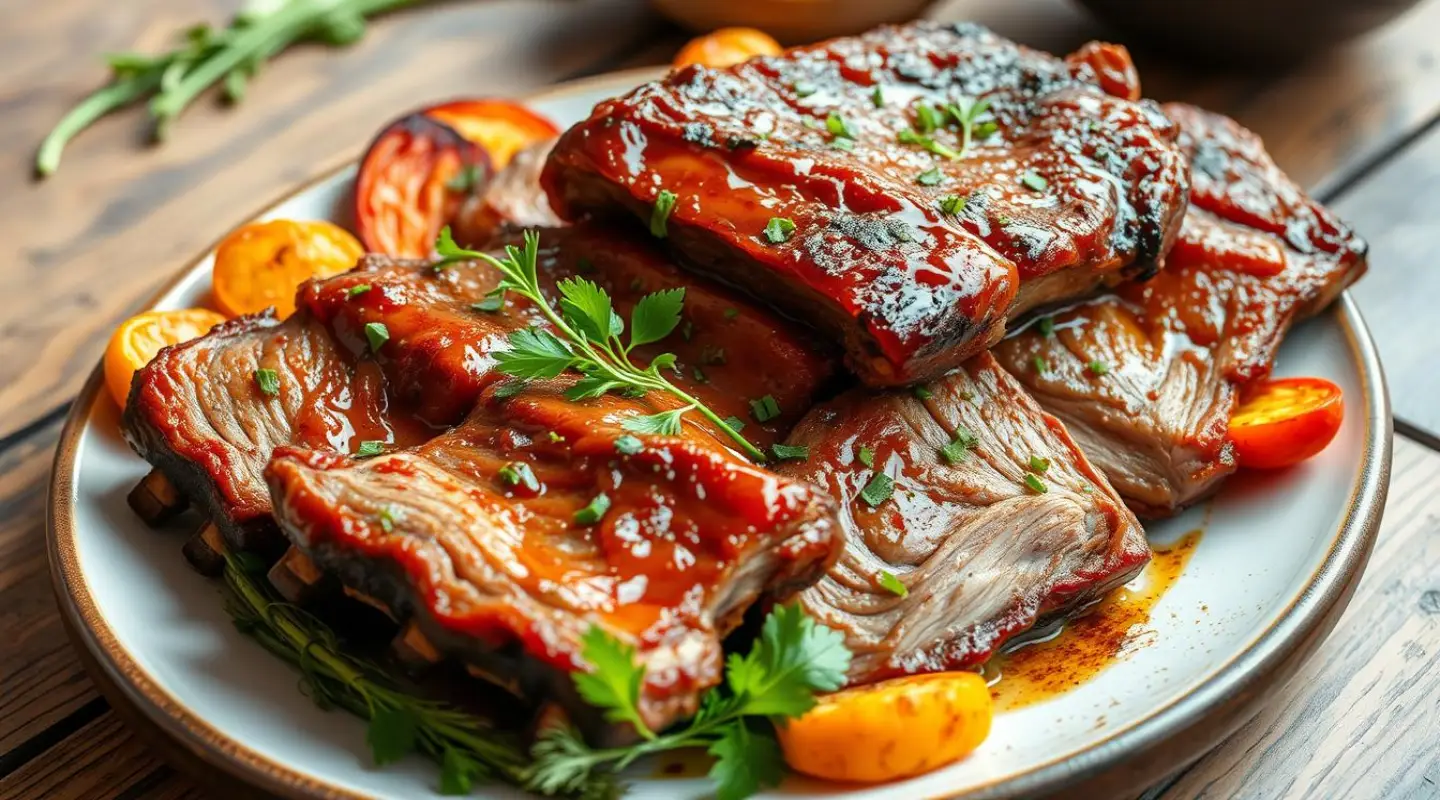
[1244,30]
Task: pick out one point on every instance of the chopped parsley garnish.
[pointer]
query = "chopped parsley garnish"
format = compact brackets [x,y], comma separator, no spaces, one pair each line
[837,126]
[784,451]
[866,456]
[765,409]
[930,177]
[967,112]
[804,88]
[893,584]
[952,204]
[922,392]
[735,423]
[877,96]
[591,514]
[387,519]
[518,473]
[268,380]
[777,230]
[963,442]
[1041,365]
[842,144]
[1099,367]
[699,375]
[1034,182]
[628,445]
[1046,326]
[1038,465]
[493,302]
[928,118]
[357,290]
[370,447]
[377,334]
[928,142]
[466,180]
[1036,485]
[732,313]
[660,214]
[878,489]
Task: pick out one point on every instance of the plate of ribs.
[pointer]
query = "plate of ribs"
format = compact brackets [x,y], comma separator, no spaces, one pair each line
[913,414]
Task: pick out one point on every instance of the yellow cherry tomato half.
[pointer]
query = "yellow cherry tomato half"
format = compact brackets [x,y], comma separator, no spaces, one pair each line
[261,264]
[139,338]
[1285,421]
[726,47]
[890,730]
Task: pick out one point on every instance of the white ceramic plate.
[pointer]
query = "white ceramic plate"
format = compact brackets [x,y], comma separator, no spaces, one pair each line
[1276,564]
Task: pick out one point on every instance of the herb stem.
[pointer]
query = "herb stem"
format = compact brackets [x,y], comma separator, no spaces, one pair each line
[104,100]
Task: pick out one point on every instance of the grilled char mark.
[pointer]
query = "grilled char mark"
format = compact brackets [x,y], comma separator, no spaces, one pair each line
[873,259]
[504,576]
[1255,255]
[983,556]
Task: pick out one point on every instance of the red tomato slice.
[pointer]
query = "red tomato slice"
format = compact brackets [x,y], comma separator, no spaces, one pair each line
[1285,421]
[500,126]
[412,181]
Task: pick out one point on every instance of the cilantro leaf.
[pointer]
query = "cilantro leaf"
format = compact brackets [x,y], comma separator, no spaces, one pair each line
[746,761]
[666,423]
[391,734]
[614,684]
[458,772]
[655,316]
[794,659]
[587,308]
[534,353]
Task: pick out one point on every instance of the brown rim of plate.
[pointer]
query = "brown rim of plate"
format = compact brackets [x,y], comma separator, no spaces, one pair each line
[1129,759]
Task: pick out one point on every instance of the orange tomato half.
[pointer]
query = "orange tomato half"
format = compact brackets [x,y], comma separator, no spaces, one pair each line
[501,127]
[890,730]
[1285,421]
[261,264]
[139,338]
[726,47]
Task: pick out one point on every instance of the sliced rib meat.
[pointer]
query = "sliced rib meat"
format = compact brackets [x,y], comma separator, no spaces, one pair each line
[1075,187]
[1146,378]
[506,576]
[513,199]
[983,555]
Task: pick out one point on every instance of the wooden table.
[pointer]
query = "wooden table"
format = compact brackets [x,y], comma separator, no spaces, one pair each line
[87,248]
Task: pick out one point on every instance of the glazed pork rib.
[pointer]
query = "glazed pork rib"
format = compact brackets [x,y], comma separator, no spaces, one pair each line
[198,413]
[509,537]
[836,182]
[1146,378]
[987,540]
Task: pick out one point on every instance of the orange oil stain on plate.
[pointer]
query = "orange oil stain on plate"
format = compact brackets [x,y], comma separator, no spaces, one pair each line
[1087,645]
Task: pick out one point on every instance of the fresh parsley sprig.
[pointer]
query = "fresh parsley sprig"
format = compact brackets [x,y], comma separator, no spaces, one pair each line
[467,748]
[778,679]
[588,337]
[230,56]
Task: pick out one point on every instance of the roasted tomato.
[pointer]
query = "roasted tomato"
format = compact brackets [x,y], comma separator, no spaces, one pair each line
[890,730]
[500,126]
[412,180]
[726,47]
[1285,421]
[260,265]
[139,338]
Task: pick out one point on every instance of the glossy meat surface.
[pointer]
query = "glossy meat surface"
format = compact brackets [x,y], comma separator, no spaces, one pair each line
[983,556]
[1074,187]
[1255,254]
[505,574]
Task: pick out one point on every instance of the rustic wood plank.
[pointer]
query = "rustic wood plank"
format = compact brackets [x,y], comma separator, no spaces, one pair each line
[1362,717]
[40,679]
[1396,208]
[118,219]
[102,761]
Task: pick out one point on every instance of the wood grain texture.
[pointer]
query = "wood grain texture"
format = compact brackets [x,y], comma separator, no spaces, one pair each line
[1361,720]
[1397,207]
[102,761]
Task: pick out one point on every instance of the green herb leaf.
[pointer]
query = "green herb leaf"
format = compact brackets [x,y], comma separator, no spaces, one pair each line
[793,659]
[746,761]
[518,473]
[866,456]
[1038,465]
[357,290]
[614,683]
[587,307]
[1046,326]
[928,118]
[493,302]
[534,353]
[930,177]
[842,144]
[735,423]
[893,584]
[509,389]
[660,214]
[779,229]
[1099,367]
[591,514]
[1036,485]
[922,392]
[370,447]
[1041,365]
[877,97]
[466,180]
[665,423]
[928,142]
[732,313]
[878,489]
[964,441]
[837,126]
[268,380]
[1034,182]
[785,451]
[458,773]
[377,335]
[804,88]
[387,519]
[391,734]
[765,409]
[952,204]
[628,445]
[655,316]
